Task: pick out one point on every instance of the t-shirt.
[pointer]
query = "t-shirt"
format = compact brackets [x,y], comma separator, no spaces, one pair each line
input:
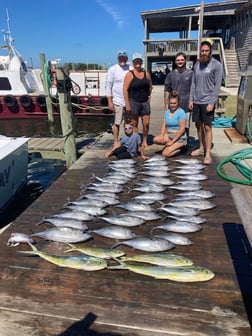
[173,122]
[114,83]
[131,143]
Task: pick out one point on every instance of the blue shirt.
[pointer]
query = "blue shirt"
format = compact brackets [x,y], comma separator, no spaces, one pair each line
[172,120]
[131,142]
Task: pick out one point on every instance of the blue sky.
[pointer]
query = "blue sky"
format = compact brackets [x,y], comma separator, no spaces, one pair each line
[85,31]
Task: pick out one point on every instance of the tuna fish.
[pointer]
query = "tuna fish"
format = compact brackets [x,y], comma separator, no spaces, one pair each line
[92,210]
[82,262]
[79,215]
[194,177]
[115,232]
[63,235]
[133,206]
[147,244]
[177,211]
[158,180]
[123,220]
[179,227]
[187,161]
[65,222]
[149,188]
[199,204]
[190,219]
[199,193]
[175,238]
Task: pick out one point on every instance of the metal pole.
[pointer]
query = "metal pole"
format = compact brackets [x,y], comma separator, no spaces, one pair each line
[200,24]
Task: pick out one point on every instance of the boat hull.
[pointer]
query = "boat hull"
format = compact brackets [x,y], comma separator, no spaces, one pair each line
[34,106]
[13,168]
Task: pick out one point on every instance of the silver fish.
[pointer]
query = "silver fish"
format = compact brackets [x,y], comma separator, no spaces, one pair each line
[147,244]
[110,200]
[93,202]
[156,158]
[123,163]
[151,195]
[199,204]
[18,238]
[200,193]
[196,177]
[159,180]
[123,220]
[129,169]
[68,222]
[191,219]
[175,238]
[150,188]
[106,187]
[146,215]
[185,187]
[133,206]
[112,180]
[179,211]
[79,215]
[180,227]
[63,235]
[187,161]
[159,163]
[185,171]
[115,232]
[155,173]
[92,210]
[198,166]
[157,167]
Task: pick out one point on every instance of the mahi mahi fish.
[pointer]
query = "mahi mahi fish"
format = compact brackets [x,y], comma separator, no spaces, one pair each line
[105,253]
[180,274]
[160,259]
[147,244]
[83,262]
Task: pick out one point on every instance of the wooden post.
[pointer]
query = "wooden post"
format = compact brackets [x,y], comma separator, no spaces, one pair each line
[48,100]
[66,117]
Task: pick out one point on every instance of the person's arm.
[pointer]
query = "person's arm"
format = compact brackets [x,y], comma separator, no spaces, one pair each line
[166,97]
[167,89]
[192,92]
[218,72]
[148,76]
[110,152]
[126,84]
[141,150]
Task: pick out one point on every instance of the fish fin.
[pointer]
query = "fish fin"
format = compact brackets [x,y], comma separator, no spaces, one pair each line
[34,250]
[115,245]
[42,221]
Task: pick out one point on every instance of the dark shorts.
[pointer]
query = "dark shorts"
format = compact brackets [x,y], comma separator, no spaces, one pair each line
[140,109]
[199,113]
[121,153]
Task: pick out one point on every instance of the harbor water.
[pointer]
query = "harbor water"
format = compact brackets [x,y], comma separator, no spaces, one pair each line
[42,172]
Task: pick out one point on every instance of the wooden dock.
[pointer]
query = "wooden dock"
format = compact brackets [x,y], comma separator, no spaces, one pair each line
[39,298]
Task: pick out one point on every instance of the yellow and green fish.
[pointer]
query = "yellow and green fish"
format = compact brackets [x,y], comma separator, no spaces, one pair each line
[82,262]
[105,253]
[160,259]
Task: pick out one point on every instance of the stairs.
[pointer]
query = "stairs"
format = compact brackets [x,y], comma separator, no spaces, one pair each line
[233,78]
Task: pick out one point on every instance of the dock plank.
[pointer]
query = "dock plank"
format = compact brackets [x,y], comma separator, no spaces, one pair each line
[40,298]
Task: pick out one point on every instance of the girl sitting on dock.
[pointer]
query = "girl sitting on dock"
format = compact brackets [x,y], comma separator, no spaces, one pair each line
[172,134]
[130,145]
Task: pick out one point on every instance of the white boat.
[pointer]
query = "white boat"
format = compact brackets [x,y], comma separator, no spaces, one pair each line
[22,93]
[13,168]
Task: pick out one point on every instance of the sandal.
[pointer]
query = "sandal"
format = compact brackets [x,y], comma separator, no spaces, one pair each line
[207,160]
[197,152]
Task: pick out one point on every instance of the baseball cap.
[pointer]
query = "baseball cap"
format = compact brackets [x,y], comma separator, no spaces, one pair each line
[136,56]
[122,53]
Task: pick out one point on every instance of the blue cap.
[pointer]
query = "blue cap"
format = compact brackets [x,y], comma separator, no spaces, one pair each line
[122,53]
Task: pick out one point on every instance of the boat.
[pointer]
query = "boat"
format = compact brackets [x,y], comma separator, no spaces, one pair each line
[13,168]
[22,91]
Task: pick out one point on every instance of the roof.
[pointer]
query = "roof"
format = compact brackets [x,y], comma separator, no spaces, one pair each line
[177,18]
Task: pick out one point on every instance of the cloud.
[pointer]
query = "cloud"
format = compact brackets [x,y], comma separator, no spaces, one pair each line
[112,12]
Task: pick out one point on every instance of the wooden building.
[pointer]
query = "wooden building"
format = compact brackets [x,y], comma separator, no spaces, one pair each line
[228,24]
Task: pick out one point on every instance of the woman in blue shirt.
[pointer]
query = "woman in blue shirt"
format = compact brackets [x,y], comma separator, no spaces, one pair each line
[172,134]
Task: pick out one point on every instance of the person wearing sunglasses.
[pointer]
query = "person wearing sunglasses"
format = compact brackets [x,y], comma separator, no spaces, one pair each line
[129,146]
[114,90]
[137,89]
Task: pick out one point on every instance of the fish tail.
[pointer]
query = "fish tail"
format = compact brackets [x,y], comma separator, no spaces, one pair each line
[72,248]
[120,266]
[33,252]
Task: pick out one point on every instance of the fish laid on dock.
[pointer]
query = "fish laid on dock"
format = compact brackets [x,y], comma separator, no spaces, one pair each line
[160,259]
[147,244]
[82,262]
[63,235]
[18,238]
[180,274]
[105,253]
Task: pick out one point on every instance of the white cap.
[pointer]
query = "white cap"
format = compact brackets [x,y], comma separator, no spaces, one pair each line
[136,56]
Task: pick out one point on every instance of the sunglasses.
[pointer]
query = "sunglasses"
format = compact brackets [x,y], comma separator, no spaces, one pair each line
[128,128]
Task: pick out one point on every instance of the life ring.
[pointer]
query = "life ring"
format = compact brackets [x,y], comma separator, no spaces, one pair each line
[25,100]
[10,100]
[41,100]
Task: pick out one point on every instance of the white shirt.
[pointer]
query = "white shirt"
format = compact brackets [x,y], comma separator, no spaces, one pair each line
[114,83]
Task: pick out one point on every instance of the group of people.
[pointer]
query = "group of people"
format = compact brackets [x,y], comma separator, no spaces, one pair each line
[188,93]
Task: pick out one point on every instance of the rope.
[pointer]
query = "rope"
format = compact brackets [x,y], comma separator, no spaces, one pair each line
[236,159]
[224,122]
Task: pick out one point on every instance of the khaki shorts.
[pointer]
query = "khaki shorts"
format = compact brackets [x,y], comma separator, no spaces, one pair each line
[119,113]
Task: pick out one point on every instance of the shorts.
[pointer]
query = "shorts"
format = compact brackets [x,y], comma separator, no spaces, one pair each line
[119,112]
[122,153]
[199,113]
[182,139]
[140,109]
[188,119]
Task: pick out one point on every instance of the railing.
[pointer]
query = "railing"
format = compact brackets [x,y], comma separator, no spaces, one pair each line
[169,48]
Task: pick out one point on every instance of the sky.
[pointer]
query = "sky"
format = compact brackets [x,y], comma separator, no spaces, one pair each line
[79,31]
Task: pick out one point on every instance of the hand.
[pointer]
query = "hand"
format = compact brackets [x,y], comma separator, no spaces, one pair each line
[209,108]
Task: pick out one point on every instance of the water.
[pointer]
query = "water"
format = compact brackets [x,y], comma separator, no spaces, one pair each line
[42,172]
